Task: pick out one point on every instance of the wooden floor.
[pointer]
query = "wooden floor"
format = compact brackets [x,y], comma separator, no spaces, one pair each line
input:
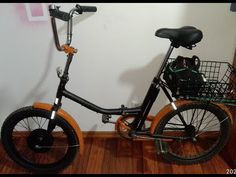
[119,156]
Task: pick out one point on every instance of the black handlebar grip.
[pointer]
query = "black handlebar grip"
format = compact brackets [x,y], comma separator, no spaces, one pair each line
[89,8]
[81,9]
[59,14]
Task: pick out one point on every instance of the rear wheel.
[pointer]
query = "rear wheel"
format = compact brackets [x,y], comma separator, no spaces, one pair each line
[204,135]
[27,141]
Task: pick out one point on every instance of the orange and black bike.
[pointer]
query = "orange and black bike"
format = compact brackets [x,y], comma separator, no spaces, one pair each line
[45,138]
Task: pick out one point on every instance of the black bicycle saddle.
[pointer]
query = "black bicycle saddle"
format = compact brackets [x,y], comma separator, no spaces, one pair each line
[186,36]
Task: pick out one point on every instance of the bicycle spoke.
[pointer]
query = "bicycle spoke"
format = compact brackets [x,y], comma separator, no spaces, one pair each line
[205,119]
[40,122]
[193,113]
[212,126]
[44,122]
[177,119]
[36,122]
[201,120]
[175,124]
[187,118]
[210,121]
[197,115]
[206,124]
[27,124]
[23,126]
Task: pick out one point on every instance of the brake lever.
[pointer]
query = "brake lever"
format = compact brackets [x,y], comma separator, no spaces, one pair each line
[79,10]
[57,7]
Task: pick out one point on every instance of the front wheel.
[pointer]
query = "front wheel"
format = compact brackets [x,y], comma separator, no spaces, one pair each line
[205,133]
[27,142]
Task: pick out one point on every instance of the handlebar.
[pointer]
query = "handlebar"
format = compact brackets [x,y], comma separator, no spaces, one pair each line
[56,13]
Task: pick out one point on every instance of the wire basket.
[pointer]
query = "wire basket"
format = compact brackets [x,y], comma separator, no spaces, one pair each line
[219,84]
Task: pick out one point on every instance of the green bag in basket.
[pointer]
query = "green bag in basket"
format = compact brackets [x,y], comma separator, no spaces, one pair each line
[183,77]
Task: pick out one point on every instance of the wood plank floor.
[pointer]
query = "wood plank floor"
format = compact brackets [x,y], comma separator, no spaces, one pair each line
[118,156]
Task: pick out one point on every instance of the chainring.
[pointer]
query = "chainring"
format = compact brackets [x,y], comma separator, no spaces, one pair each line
[123,125]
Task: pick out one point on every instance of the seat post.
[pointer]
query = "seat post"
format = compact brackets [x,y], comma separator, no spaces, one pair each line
[165,60]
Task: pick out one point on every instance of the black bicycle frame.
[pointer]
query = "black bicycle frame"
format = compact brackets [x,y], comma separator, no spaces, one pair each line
[140,112]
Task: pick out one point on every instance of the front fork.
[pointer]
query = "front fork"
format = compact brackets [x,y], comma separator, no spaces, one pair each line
[64,78]
[52,121]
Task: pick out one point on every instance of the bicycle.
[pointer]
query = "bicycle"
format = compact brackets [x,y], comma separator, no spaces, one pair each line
[50,137]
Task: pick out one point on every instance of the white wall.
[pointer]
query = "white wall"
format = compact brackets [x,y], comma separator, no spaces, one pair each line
[118,53]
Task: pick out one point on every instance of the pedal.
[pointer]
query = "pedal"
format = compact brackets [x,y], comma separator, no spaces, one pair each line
[106,119]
